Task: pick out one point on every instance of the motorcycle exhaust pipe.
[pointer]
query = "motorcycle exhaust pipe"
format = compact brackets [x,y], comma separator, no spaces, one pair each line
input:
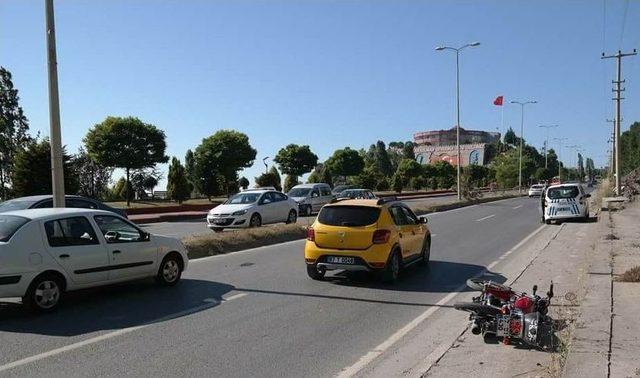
[476,329]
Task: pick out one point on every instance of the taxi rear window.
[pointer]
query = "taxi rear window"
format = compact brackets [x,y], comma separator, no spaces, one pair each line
[348,216]
[563,192]
[9,224]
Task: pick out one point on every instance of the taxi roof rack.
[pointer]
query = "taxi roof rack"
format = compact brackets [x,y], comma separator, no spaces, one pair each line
[384,200]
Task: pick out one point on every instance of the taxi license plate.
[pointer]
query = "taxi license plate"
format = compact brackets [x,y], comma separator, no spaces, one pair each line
[341,260]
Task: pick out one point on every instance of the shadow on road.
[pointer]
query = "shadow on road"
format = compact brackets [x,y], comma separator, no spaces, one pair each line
[438,277]
[115,307]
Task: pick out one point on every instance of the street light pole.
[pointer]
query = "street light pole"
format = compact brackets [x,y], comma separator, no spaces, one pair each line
[457,50]
[561,140]
[546,144]
[264,161]
[57,173]
[522,104]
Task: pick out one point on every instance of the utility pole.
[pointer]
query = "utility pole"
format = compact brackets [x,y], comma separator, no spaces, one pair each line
[618,91]
[612,140]
[546,144]
[264,161]
[57,173]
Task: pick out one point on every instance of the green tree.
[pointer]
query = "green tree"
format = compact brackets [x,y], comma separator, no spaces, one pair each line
[295,160]
[243,182]
[445,174]
[476,176]
[118,191]
[14,128]
[397,183]
[368,178]
[190,169]
[383,185]
[580,167]
[219,158]
[345,162]
[417,183]
[543,174]
[381,159]
[32,171]
[178,185]
[126,143]
[269,178]
[408,169]
[290,181]
[93,179]
[143,180]
[630,149]
[507,168]
[510,138]
[407,151]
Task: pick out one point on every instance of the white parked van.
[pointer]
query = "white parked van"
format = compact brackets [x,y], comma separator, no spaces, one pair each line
[311,197]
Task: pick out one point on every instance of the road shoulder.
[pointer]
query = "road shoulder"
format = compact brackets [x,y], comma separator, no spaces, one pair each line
[559,253]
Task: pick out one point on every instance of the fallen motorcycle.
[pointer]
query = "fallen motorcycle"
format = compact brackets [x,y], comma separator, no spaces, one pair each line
[502,313]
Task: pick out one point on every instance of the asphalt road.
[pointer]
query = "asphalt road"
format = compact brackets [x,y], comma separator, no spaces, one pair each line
[198,226]
[255,313]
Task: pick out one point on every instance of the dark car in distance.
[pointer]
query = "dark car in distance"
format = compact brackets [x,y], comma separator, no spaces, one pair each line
[46,201]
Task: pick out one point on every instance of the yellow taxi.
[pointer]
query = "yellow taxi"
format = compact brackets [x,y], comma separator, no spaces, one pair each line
[378,235]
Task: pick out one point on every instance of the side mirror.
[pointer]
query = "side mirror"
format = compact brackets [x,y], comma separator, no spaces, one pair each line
[587,195]
[112,236]
[146,236]
[423,219]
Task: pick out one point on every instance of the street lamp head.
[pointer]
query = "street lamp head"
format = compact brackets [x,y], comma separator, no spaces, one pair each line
[440,48]
[474,44]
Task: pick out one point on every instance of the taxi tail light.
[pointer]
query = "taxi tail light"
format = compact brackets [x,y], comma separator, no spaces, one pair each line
[381,236]
[311,234]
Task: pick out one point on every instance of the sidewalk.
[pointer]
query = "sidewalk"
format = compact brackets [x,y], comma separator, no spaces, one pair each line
[606,342]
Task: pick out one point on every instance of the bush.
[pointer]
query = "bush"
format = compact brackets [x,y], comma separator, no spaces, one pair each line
[289,182]
[383,185]
[631,275]
[203,245]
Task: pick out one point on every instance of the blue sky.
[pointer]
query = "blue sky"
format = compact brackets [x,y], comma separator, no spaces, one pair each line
[325,73]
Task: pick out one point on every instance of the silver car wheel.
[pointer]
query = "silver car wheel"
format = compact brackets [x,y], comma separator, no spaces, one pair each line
[47,294]
[170,270]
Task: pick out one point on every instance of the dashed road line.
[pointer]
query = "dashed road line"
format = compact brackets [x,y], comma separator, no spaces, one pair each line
[484,218]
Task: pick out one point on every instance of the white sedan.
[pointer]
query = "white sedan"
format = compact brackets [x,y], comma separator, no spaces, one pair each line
[47,252]
[253,208]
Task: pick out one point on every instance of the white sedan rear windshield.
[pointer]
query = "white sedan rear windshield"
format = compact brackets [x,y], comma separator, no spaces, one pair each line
[563,192]
[9,224]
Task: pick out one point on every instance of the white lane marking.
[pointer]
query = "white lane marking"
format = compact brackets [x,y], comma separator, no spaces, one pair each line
[517,207]
[239,295]
[522,242]
[487,217]
[381,348]
[210,302]
[378,350]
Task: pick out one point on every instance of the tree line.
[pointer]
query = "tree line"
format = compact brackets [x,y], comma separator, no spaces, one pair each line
[212,168]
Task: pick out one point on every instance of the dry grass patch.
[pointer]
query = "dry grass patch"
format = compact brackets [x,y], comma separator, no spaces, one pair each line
[631,275]
[224,242]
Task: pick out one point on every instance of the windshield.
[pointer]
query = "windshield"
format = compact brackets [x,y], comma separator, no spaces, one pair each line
[299,192]
[242,198]
[563,192]
[15,204]
[9,224]
[353,216]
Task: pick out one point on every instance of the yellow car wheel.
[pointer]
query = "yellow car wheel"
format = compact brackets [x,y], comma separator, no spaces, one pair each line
[315,273]
[392,270]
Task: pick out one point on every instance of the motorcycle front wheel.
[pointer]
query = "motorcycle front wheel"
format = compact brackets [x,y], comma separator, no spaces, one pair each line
[477,308]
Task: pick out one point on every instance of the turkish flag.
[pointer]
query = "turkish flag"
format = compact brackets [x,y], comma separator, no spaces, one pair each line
[498,101]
